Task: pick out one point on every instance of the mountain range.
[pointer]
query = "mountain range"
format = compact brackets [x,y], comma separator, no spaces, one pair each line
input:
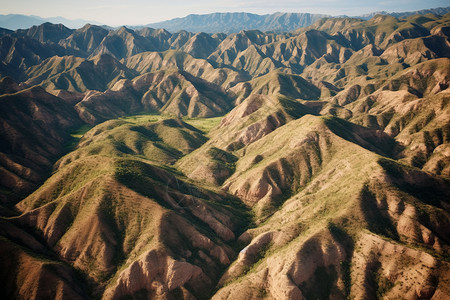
[215,22]
[18,21]
[278,22]
[235,22]
[438,11]
[145,164]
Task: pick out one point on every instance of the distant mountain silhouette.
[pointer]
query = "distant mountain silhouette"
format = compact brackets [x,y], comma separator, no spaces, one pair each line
[235,22]
[215,22]
[437,11]
[16,21]
[278,22]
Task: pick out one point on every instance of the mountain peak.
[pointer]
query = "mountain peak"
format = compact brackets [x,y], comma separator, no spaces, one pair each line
[124,29]
[381,18]
[89,26]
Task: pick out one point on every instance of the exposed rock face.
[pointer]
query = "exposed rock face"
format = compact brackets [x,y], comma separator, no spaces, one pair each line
[154,274]
[85,39]
[175,93]
[46,32]
[75,74]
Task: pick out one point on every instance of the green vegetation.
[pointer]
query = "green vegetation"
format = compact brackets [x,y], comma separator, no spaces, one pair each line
[78,134]
[203,124]
[144,118]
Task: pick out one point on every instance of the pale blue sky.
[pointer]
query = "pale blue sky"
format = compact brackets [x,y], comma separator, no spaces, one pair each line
[134,12]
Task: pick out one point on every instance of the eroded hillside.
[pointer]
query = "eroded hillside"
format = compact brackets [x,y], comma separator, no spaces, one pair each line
[145,164]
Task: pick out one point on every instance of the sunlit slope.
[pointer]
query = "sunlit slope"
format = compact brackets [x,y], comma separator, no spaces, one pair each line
[326,199]
[76,74]
[113,205]
[175,93]
[265,104]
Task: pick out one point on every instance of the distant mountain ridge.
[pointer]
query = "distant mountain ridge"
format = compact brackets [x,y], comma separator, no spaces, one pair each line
[17,21]
[228,22]
[278,22]
[235,22]
[437,11]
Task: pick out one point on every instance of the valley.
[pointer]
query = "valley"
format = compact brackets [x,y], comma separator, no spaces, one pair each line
[145,164]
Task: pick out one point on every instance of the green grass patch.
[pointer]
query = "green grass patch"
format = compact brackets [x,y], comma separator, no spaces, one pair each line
[144,118]
[204,124]
[78,134]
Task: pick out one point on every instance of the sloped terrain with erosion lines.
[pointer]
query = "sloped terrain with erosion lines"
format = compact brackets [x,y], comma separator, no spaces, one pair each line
[144,164]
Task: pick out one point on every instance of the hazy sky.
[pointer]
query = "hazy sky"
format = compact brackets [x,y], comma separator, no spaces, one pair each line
[134,12]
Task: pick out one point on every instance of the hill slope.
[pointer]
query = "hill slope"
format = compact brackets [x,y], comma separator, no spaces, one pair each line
[190,247]
[34,131]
